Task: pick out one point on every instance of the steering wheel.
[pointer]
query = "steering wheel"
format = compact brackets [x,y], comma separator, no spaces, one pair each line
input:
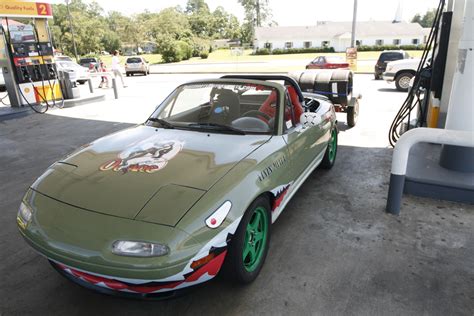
[257,114]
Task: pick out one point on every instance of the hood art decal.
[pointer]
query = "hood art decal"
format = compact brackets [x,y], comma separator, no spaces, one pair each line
[147,157]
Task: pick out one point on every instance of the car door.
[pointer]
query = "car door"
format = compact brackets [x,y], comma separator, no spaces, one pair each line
[302,141]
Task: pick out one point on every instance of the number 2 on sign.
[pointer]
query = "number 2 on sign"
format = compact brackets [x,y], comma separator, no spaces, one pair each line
[42,9]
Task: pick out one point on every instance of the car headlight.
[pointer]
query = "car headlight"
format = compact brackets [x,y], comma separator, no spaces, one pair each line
[24,215]
[139,249]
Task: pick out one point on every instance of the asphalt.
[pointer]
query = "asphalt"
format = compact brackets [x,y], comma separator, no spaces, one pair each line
[334,251]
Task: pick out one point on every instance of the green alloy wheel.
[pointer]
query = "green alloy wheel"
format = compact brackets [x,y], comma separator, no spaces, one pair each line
[255,239]
[249,246]
[331,151]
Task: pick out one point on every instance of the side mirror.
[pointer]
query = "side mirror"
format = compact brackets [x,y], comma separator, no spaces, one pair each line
[309,119]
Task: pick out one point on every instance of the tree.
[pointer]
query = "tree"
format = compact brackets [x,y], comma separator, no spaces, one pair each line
[257,13]
[427,19]
[224,25]
[88,23]
[196,6]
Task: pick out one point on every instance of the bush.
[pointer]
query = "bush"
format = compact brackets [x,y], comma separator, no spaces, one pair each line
[279,51]
[377,48]
[174,51]
[262,51]
[204,55]
[185,50]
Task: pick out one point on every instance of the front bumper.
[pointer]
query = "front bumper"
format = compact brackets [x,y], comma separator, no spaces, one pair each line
[388,76]
[139,288]
[78,242]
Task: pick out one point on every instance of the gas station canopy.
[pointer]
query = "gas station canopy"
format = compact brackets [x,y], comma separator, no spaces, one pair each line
[26,9]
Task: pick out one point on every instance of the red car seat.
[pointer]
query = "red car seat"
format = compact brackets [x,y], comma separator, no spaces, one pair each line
[297,107]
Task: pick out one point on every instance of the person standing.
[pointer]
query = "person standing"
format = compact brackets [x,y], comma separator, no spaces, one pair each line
[116,69]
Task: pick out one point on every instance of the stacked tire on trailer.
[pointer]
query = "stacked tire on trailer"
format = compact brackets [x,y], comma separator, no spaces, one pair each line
[336,85]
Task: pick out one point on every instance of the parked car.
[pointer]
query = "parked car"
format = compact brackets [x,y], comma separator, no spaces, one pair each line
[81,74]
[164,205]
[328,62]
[386,57]
[401,71]
[135,65]
[88,61]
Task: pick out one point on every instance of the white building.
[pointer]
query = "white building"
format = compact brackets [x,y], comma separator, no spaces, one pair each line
[338,35]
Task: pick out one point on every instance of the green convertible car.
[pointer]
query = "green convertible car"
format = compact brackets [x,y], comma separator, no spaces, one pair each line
[166,204]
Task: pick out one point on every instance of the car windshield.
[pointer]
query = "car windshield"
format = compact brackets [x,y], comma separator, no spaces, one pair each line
[134,60]
[335,60]
[65,58]
[67,64]
[219,107]
[87,60]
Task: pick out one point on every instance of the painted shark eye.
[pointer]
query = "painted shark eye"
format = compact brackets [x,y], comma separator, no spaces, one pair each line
[218,217]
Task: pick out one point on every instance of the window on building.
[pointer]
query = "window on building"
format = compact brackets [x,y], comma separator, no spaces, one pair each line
[268,46]
[415,41]
[307,44]
[288,45]
[325,44]
[379,42]
[397,41]
[358,43]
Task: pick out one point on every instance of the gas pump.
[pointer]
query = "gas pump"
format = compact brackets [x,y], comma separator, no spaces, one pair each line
[27,57]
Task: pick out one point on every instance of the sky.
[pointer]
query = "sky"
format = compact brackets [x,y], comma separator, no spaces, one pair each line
[300,12]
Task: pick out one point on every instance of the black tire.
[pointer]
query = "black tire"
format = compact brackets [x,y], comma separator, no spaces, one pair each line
[353,114]
[145,73]
[81,81]
[329,159]
[234,269]
[377,77]
[127,74]
[402,81]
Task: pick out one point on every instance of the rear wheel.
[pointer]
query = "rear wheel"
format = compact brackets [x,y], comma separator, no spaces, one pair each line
[249,246]
[127,74]
[353,114]
[402,81]
[331,151]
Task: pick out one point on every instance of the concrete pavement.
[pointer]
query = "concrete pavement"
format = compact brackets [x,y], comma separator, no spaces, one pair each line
[334,251]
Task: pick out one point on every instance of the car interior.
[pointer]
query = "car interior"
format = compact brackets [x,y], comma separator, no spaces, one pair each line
[248,109]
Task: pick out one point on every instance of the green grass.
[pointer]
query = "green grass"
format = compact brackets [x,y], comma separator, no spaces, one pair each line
[152,58]
[225,55]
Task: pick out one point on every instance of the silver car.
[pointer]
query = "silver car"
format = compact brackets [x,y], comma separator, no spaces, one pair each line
[76,71]
[137,64]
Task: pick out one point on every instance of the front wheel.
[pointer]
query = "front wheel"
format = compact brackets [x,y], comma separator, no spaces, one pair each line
[402,81]
[249,246]
[331,151]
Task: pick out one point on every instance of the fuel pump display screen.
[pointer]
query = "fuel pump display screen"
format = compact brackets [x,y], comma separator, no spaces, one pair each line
[22,34]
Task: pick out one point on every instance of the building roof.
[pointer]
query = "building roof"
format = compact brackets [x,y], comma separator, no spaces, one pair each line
[336,29]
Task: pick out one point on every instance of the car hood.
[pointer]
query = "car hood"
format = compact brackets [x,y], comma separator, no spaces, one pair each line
[144,168]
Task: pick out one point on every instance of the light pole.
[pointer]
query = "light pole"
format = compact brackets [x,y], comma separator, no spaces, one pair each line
[72,30]
[354,20]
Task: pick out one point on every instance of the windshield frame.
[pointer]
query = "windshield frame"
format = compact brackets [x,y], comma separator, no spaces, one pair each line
[277,128]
